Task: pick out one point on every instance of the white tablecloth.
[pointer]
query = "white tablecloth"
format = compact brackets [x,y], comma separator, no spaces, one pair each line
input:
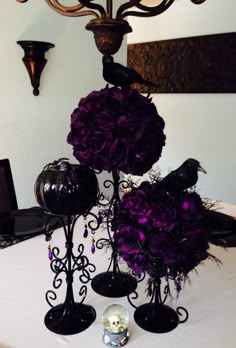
[26,276]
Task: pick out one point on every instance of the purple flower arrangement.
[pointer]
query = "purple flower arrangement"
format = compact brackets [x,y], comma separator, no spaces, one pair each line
[161,234]
[117,129]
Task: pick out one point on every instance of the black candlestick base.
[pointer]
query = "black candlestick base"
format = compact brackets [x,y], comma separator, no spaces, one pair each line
[157,320]
[69,317]
[71,321]
[111,284]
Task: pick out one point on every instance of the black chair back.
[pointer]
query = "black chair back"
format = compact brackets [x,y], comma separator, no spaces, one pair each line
[8,201]
[16,224]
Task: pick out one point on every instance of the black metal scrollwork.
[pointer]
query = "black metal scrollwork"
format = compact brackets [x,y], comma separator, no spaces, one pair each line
[69,263]
[70,317]
[182,311]
[113,282]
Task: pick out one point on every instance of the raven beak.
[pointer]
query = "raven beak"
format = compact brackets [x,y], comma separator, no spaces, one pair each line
[201,169]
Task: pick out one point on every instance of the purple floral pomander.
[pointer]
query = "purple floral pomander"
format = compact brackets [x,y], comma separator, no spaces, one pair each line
[161,234]
[117,129]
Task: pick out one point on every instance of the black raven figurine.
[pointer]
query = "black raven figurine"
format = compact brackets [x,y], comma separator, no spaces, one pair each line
[119,75]
[183,177]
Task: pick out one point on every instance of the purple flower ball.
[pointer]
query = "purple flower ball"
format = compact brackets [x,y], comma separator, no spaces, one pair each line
[161,234]
[117,129]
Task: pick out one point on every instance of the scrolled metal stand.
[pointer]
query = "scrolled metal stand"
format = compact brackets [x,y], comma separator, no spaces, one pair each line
[155,316]
[69,317]
[113,282]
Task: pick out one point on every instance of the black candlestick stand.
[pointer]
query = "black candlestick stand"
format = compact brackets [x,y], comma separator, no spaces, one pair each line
[113,282]
[155,316]
[69,317]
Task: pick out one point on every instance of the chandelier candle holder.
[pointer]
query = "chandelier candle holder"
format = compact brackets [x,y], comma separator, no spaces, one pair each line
[108,29]
[68,192]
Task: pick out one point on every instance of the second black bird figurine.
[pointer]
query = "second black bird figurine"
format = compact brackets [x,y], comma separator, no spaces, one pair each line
[121,76]
[183,177]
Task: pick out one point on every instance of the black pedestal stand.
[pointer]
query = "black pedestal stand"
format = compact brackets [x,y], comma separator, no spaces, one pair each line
[70,317]
[155,316]
[113,282]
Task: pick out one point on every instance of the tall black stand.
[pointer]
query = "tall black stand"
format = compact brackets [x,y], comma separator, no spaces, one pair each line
[69,317]
[113,282]
[155,316]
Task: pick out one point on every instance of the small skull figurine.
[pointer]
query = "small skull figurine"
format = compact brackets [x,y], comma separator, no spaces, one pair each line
[115,323]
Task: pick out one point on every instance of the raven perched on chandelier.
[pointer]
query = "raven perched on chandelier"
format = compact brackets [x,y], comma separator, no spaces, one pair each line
[119,75]
[108,29]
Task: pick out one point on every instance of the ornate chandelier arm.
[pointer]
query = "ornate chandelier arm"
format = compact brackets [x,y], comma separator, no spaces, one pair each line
[70,11]
[146,10]
[164,3]
[75,11]
[125,6]
[55,4]
[89,4]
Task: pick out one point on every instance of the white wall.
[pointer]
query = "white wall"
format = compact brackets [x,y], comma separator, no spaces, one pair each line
[33,130]
[201,126]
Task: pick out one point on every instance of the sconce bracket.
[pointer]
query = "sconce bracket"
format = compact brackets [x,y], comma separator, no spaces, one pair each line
[34,60]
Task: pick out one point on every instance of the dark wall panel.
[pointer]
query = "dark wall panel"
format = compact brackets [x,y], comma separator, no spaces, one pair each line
[202,64]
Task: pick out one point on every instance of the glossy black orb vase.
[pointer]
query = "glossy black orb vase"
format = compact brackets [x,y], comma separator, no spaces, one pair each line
[66,189]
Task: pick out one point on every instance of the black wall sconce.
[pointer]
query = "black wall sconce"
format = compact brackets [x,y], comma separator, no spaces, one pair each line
[34,60]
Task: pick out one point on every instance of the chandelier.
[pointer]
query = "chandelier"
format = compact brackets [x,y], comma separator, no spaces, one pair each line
[109,29]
